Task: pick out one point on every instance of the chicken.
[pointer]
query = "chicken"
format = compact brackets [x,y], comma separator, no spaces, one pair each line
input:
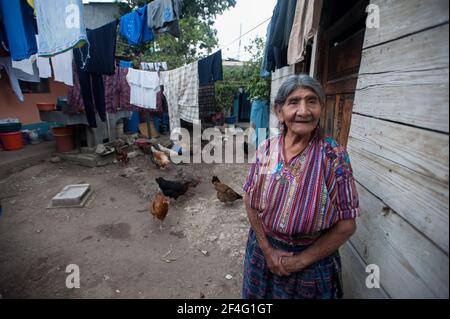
[224,193]
[172,189]
[122,157]
[160,206]
[167,151]
[160,159]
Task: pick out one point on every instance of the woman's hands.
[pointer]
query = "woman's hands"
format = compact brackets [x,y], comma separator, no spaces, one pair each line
[274,260]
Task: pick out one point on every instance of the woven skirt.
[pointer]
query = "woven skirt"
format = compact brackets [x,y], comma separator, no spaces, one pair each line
[322,280]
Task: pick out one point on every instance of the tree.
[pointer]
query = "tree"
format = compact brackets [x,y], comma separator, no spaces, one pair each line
[257,87]
[247,77]
[198,37]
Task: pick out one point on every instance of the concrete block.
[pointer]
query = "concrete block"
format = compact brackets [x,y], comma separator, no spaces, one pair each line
[71,196]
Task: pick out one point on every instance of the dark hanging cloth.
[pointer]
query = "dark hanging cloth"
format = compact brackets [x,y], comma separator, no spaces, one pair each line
[161,101]
[283,25]
[101,50]
[210,69]
[280,30]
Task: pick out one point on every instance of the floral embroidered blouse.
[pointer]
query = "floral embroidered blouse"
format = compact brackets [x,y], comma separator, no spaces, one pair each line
[296,201]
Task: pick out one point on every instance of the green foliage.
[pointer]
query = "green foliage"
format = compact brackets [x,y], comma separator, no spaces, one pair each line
[198,37]
[246,77]
[233,80]
[257,87]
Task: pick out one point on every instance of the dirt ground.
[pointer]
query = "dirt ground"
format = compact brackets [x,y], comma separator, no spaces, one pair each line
[118,246]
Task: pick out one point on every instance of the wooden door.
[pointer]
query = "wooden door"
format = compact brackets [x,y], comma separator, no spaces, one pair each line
[340,52]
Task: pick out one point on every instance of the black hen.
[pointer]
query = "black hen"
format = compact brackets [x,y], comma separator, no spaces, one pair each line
[172,189]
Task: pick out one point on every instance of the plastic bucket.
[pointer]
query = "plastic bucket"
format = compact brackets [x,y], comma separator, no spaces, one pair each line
[12,141]
[64,139]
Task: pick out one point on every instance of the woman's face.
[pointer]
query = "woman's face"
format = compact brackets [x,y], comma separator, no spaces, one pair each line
[301,111]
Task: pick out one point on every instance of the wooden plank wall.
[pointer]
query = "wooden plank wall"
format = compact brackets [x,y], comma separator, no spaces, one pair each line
[399,149]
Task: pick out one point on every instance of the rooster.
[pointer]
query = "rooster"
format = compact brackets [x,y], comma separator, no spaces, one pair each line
[160,206]
[224,193]
[160,158]
[122,157]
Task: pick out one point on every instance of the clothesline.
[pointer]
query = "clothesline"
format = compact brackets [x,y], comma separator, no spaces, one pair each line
[243,35]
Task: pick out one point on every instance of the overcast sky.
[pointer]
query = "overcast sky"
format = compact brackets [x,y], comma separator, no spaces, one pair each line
[249,13]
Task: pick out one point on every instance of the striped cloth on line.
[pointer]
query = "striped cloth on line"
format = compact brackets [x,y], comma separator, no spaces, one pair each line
[181,88]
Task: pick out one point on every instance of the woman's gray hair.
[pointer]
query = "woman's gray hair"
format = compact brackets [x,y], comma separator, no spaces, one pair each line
[295,82]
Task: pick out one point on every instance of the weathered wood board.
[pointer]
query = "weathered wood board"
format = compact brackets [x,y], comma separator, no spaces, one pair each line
[406,81]
[426,50]
[399,18]
[420,200]
[407,146]
[411,266]
[354,276]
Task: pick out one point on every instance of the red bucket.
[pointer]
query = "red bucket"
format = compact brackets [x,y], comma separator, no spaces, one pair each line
[12,141]
[64,139]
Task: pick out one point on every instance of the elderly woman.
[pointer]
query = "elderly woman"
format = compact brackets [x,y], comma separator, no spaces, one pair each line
[301,201]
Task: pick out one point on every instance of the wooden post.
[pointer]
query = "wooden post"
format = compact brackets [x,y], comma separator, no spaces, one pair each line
[147,119]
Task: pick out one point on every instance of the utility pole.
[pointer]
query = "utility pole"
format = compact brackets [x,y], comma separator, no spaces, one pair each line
[240,43]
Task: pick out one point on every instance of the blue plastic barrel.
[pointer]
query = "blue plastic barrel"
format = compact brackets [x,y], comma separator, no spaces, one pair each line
[132,125]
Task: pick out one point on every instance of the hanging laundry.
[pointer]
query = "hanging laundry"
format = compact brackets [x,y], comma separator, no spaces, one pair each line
[133,26]
[25,65]
[61,27]
[74,96]
[163,16]
[27,77]
[62,67]
[154,66]
[101,49]
[4,50]
[259,119]
[161,101]
[283,25]
[210,69]
[45,70]
[269,64]
[92,91]
[18,31]
[5,63]
[125,64]
[144,87]
[279,34]
[117,91]
[265,61]
[304,28]
[181,87]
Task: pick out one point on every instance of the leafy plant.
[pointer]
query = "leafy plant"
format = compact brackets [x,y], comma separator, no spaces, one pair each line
[246,77]
[198,37]
[257,87]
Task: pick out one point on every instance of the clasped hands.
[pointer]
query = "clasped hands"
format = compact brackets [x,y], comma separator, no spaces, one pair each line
[283,263]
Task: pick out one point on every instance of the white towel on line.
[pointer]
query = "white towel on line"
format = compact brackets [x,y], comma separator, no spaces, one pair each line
[144,86]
